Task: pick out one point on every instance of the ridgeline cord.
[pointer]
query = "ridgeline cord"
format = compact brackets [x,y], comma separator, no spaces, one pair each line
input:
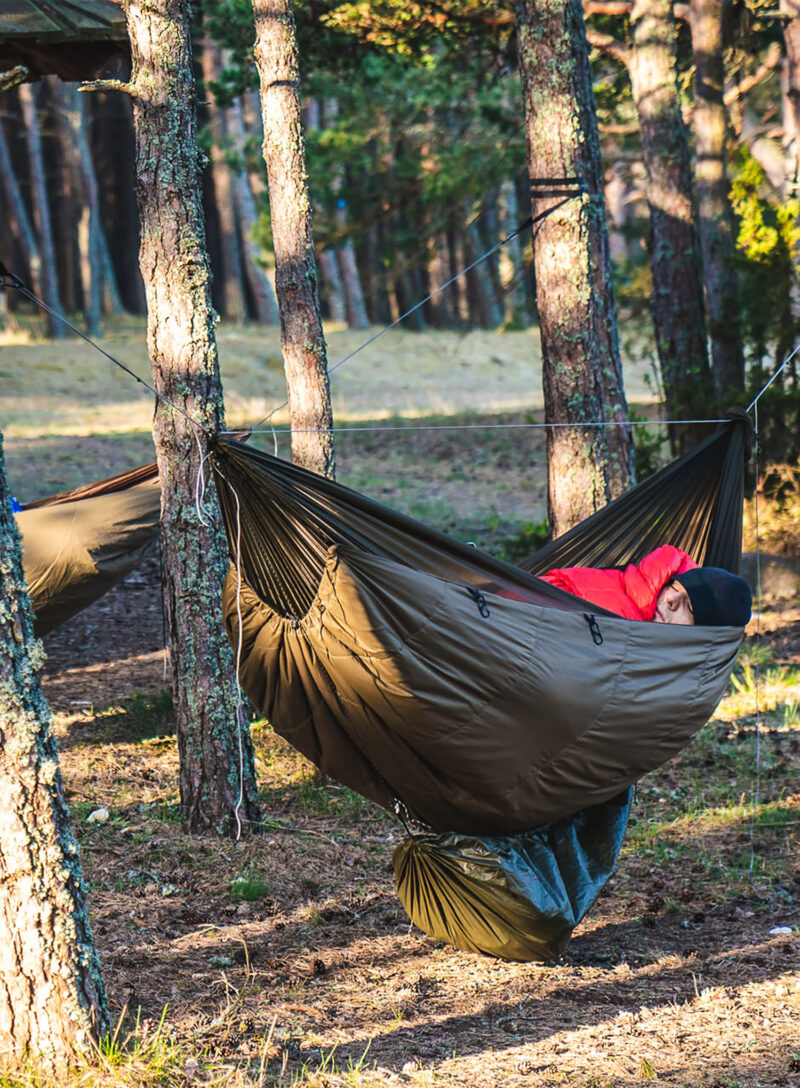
[477,426]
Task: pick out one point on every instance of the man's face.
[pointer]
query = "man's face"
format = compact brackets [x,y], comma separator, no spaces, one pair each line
[673,605]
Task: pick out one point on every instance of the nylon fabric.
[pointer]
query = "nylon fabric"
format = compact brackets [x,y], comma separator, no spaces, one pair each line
[413,667]
[516,897]
[478,725]
[77,545]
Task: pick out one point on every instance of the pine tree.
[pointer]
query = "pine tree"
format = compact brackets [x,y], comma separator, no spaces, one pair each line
[302,340]
[52,1001]
[582,373]
[217,776]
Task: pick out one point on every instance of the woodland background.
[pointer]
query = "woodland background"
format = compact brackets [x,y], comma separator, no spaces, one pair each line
[416,162]
[284,958]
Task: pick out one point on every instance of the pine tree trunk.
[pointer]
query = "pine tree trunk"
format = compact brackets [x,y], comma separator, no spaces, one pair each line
[791,73]
[459,249]
[515,302]
[41,207]
[70,107]
[439,309]
[112,300]
[52,1001]
[715,216]
[112,143]
[302,341]
[346,254]
[489,234]
[261,289]
[581,369]
[217,777]
[221,176]
[332,286]
[677,297]
[18,215]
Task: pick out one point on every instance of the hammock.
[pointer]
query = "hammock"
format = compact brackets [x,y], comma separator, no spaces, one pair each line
[76,545]
[391,657]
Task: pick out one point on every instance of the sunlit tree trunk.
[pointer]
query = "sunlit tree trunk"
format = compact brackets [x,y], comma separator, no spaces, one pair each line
[346,253]
[52,1002]
[790,9]
[261,289]
[217,778]
[70,106]
[515,302]
[714,210]
[18,215]
[221,176]
[41,208]
[302,341]
[581,371]
[677,297]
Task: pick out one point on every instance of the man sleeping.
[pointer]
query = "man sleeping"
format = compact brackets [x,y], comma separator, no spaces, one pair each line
[666,587]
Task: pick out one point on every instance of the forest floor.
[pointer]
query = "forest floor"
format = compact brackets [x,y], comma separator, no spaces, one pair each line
[287,959]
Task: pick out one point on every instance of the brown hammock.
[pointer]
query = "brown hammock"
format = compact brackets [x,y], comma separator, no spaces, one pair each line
[76,545]
[511,727]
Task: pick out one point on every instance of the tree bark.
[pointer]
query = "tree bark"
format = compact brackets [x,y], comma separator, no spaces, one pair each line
[302,340]
[332,286]
[41,207]
[18,215]
[217,778]
[72,116]
[581,368]
[52,1001]
[515,302]
[221,176]
[261,289]
[791,73]
[676,302]
[346,253]
[715,216]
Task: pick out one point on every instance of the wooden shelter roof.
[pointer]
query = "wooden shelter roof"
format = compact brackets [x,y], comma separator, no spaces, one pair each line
[75,39]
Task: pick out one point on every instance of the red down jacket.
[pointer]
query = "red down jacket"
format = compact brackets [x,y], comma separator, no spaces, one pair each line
[632,592]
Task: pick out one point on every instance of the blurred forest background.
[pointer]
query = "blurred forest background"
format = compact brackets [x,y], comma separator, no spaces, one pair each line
[416,161]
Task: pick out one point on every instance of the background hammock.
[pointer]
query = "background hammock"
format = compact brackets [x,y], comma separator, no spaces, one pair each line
[76,545]
[379,648]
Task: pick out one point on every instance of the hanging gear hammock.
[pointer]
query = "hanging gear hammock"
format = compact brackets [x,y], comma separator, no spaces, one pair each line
[391,656]
[78,544]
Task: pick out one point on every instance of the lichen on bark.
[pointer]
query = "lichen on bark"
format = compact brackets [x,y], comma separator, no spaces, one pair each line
[581,366]
[302,339]
[52,1001]
[217,774]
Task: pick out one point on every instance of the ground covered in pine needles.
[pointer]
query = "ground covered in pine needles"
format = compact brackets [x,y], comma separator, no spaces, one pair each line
[286,959]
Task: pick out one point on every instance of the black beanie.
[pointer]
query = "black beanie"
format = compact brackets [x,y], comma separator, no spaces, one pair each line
[719,598]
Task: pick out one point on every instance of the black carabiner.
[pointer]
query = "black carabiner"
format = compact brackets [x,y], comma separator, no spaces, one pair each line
[480,600]
[594,627]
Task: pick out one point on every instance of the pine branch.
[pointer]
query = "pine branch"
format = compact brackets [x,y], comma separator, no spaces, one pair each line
[771,62]
[607,43]
[110,85]
[13,77]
